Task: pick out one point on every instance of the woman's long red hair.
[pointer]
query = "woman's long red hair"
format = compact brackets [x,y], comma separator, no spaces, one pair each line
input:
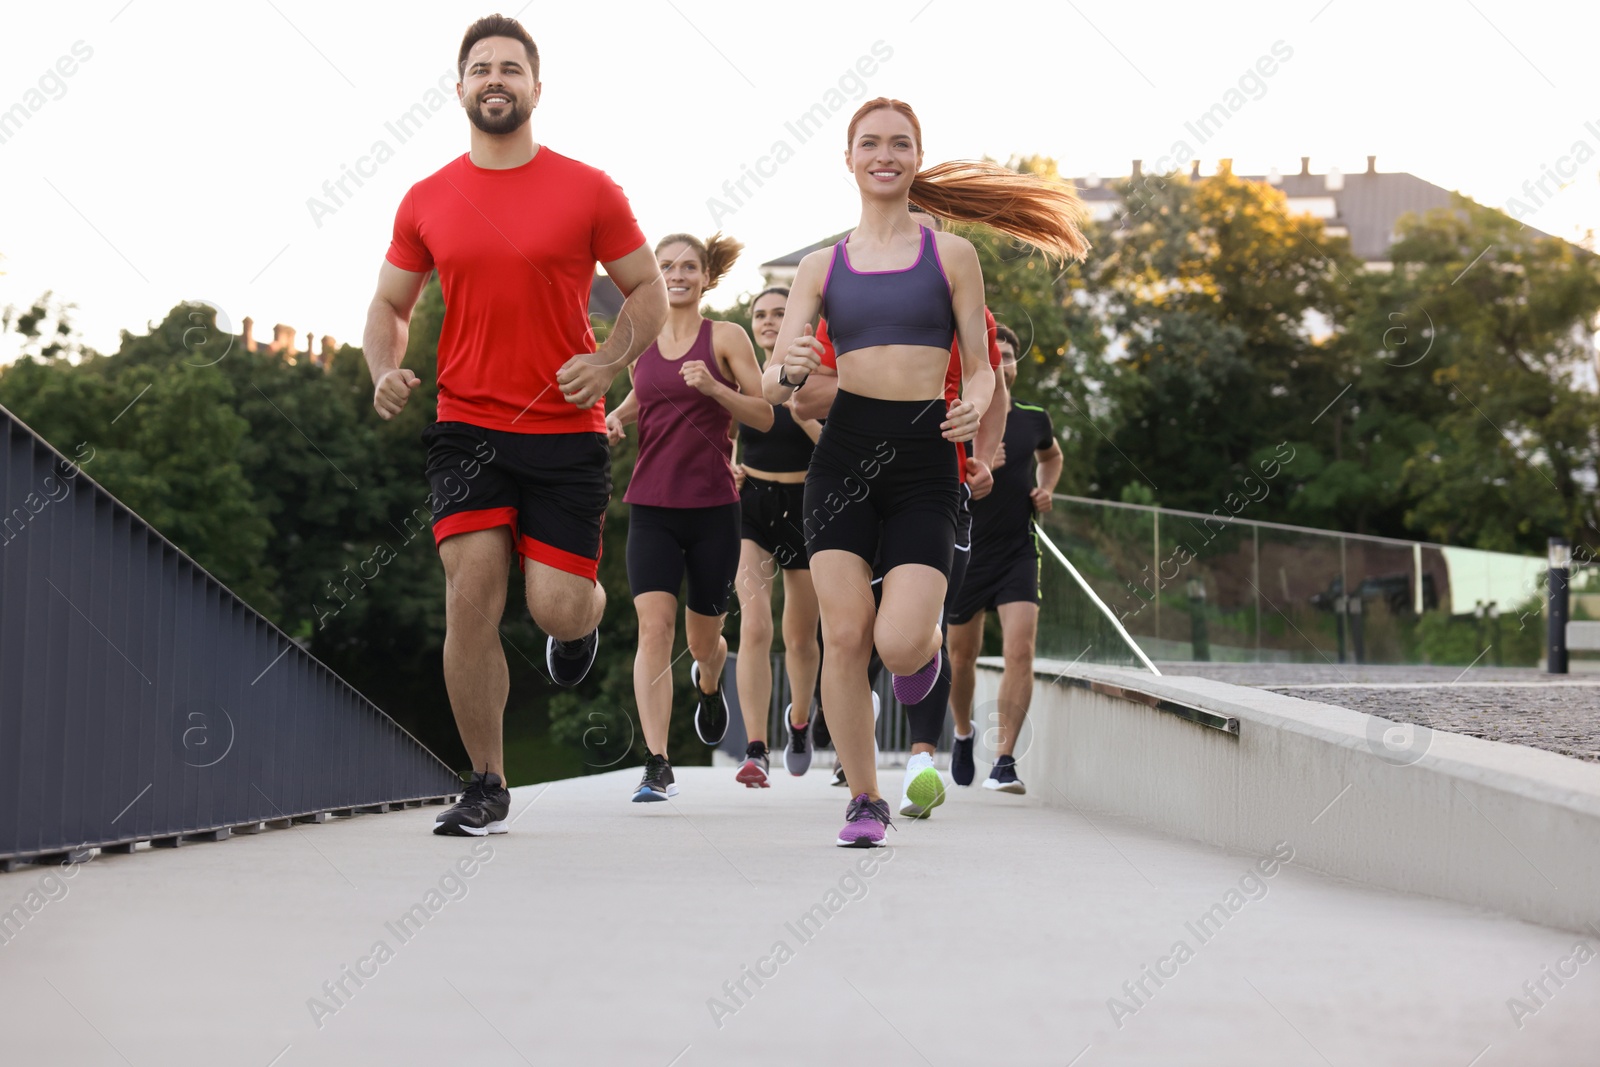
[1045,214]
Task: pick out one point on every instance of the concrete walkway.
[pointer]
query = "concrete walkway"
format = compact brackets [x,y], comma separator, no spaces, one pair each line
[602,932]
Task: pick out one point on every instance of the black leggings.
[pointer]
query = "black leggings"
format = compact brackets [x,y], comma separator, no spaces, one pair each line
[664,543]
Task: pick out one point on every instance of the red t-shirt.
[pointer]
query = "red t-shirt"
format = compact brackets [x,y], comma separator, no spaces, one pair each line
[516,251]
[952,374]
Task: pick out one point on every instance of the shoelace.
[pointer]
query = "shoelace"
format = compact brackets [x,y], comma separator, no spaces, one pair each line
[797,737]
[476,792]
[878,809]
[655,768]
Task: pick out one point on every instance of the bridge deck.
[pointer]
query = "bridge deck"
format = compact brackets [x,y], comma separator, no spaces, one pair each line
[598,930]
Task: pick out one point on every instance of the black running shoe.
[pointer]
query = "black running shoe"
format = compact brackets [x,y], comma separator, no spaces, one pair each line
[657,783]
[1004,777]
[569,661]
[962,767]
[838,774]
[481,810]
[710,709]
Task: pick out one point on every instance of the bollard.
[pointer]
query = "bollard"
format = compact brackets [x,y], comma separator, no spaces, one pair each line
[1560,575]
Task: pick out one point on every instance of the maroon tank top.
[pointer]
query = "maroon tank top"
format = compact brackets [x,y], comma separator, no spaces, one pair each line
[685,453]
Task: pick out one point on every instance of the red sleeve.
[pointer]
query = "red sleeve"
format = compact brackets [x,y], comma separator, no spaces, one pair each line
[828,357]
[406,249]
[614,231]
[994,337]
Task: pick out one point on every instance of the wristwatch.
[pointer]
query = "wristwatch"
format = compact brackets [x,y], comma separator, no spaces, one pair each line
[783,379]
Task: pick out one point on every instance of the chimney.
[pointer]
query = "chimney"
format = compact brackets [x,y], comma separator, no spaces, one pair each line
[329,347]
[282,340]
[1372,164]
[1274,176]
[1305,166]
[1194,170]
[248,334]
[311,343]
[1333,180]
[1138,168]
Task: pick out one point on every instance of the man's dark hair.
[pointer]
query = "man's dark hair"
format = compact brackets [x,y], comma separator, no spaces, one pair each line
[497,26]
[1009,336]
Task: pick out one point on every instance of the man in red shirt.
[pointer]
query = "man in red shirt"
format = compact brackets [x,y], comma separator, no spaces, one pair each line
[518,462]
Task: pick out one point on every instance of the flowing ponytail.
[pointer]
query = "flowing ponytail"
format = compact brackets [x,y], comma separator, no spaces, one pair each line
[717,254]
[1048,215]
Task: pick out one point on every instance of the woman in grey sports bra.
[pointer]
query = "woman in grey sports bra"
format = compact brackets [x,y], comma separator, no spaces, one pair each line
[882,482]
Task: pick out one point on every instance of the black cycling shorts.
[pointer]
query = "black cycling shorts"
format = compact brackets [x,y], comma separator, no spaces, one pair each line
[666,543]
[770,514]
[550,488]
[883,484]
[993,580]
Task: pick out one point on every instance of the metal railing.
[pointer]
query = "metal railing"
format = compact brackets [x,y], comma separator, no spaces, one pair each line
[140,700]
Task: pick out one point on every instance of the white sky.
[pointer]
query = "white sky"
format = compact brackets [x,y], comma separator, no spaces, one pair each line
[178,161]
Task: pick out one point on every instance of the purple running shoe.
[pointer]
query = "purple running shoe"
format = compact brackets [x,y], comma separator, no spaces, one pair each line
[865,821]
[914,688]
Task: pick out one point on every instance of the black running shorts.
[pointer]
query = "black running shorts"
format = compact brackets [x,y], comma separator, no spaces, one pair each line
[994,580]
[664,544]
[770,514]
[883,484]
[550,488]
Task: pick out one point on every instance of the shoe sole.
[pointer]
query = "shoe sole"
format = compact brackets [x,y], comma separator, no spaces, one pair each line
[650,796]
[1016,788]
[860,842]
[752,776]
[925,793]
[914,692]
[550,662]
[452,829]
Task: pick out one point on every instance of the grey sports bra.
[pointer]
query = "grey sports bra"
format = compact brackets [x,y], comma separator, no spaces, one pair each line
[889,307]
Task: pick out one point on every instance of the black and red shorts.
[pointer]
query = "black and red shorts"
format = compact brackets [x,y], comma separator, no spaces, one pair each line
[550,488]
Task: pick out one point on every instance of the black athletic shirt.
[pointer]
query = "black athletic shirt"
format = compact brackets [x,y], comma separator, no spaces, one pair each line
[783,449]
[1000,521]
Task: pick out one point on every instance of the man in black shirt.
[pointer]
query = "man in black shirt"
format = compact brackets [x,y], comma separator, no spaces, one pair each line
[1004,577]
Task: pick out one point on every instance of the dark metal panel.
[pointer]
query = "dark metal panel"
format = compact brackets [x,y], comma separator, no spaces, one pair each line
[140,699]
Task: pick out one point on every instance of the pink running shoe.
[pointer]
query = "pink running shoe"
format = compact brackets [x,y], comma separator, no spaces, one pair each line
[865,821]
[914,688]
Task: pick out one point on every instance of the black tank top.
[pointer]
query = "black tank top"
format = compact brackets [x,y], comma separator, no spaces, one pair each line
[780,450]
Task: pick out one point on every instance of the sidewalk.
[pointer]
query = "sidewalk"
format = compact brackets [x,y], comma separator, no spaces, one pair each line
[603,932]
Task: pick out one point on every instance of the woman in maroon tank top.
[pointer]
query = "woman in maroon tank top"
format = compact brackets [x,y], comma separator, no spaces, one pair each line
[683,518]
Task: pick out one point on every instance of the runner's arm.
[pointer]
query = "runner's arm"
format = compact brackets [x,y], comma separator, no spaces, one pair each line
[585,378]
[813,402]
[966,298]
[746,404]
[796,333]
[1051,460]
[388,329]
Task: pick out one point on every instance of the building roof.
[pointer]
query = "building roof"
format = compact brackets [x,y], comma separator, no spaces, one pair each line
[793,258]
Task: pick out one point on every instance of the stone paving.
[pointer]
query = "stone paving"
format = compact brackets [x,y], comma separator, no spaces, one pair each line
[1518,705]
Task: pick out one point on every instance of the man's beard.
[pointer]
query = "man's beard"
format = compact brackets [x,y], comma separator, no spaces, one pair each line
[508,121]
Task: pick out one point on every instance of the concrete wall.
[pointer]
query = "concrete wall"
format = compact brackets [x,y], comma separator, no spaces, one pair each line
[1484,823]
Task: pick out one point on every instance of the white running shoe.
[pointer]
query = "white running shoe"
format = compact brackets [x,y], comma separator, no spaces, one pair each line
[923,789]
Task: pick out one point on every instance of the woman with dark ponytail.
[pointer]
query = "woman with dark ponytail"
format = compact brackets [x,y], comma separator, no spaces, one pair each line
[772,503]
[883,481]
[688,388]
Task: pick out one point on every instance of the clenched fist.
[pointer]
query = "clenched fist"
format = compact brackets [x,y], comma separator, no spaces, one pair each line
[389,396]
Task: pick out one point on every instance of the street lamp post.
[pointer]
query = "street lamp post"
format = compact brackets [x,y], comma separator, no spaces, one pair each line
[1560,578]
